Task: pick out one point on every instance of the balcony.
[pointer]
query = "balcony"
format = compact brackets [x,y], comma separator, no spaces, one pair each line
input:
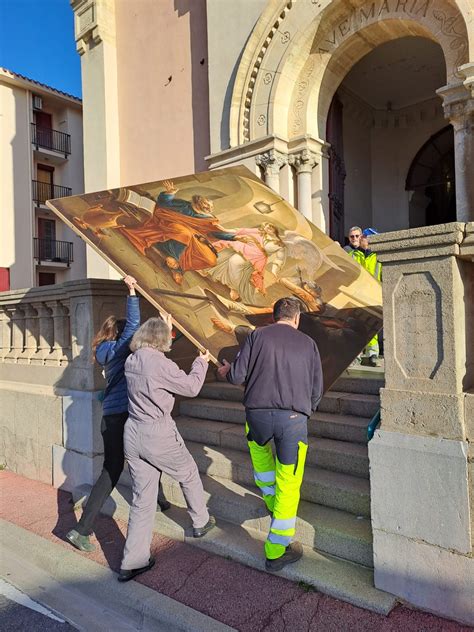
[50,143]
[52,251]
[43,191]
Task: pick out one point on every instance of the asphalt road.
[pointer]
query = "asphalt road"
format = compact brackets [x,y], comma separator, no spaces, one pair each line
[20,618]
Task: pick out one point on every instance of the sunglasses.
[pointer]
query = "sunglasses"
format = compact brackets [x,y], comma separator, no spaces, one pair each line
[354,236]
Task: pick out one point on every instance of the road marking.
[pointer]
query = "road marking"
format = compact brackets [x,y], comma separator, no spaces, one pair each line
[12,593]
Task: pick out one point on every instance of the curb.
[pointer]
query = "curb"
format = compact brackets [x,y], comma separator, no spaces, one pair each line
[144,608]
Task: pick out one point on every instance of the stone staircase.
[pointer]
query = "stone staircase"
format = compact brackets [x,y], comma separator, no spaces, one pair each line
[334,514]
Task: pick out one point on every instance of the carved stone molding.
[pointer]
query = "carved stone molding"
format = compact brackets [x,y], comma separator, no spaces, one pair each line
[304,161]
[285,38]
[458,104]
[94,22]
[271,161]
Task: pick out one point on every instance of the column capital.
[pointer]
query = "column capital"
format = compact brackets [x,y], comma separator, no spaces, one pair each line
[271,161]
[458,102]
[304,161]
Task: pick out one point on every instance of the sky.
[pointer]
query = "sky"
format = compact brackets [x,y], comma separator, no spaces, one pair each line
[37,40]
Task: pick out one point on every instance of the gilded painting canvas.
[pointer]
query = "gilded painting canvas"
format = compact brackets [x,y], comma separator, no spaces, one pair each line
[217,249]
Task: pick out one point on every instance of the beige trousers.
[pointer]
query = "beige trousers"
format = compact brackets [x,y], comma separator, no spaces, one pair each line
[149,448]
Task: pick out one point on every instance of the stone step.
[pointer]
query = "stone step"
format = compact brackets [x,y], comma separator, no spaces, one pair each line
[357,404]
[329,425]
[339,427]
[338,578]
[328,530]
[337,456]
[369,385]
[331,489]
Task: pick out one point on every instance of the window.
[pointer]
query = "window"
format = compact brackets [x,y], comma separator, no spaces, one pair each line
[46,278]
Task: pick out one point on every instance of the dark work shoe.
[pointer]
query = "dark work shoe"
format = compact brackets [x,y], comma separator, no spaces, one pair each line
[81,542]
[127,575]
[211,523]
[292,554]
[164,505]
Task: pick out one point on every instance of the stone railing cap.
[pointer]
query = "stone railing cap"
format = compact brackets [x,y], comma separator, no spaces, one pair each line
[455,239]
[66,290]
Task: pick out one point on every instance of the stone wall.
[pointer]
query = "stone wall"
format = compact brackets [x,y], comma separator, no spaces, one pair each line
[421,459]
[49,386]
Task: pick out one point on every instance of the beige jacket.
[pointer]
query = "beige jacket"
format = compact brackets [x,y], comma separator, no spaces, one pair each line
[152,381]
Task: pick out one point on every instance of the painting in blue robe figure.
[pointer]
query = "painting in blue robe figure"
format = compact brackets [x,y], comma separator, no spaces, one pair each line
[217,249]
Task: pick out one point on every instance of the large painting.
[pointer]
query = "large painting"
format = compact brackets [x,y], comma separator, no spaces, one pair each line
[217,249]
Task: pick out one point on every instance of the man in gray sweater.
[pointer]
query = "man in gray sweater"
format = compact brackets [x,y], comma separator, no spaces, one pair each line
[283,379]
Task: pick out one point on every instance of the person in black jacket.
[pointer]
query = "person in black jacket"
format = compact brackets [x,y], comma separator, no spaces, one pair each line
[111,347]
[281,368]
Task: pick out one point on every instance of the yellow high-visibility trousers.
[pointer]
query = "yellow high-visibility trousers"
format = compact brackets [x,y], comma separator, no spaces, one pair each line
[279,479]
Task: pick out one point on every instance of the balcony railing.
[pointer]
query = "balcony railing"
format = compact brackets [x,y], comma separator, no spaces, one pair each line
[51,139]
[52,250]
[43,191]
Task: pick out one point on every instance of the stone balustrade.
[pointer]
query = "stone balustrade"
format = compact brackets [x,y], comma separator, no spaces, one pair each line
[49,385]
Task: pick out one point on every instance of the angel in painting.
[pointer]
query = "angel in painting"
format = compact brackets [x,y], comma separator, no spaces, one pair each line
[242,263]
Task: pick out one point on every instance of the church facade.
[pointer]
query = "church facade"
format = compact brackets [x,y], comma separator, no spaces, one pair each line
[358,112]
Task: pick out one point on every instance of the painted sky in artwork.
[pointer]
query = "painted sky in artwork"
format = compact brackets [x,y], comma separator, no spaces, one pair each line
[217,249]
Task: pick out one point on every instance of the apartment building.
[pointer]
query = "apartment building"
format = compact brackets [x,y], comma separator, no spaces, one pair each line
[41,157]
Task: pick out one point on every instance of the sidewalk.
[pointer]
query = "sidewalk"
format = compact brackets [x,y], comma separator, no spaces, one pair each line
[228,592]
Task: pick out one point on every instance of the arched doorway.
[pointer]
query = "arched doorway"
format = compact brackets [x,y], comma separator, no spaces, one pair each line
[431,181]
[300,54]
[387,108]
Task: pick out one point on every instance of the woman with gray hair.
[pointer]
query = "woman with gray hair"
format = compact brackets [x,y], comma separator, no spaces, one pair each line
[152,442]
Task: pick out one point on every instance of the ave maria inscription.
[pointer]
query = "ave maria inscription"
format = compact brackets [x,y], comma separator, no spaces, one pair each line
[367,13]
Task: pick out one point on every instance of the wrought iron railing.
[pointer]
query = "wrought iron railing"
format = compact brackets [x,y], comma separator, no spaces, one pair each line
[51,139]
[43,191]
[52,250]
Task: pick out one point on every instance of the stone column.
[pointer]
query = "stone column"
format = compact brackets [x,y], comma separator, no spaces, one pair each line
[458,102]
[271,162]
[304,162]
[420,458]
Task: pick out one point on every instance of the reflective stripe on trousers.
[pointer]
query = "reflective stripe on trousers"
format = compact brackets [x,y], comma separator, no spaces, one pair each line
[263,470]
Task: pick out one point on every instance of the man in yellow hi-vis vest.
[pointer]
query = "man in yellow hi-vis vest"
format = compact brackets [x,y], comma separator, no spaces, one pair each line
[283,379]
[359,250]
[374,267]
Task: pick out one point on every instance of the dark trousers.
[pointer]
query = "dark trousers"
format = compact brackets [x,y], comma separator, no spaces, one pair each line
[112,434]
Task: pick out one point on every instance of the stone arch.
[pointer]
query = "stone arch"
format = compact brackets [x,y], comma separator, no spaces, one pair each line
[298,52]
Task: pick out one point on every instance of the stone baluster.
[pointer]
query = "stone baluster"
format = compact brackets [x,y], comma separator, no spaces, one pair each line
[17,329]
[46,334]
[304,162]
[5,334]
[61,351]
[31,332]
[271,162]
